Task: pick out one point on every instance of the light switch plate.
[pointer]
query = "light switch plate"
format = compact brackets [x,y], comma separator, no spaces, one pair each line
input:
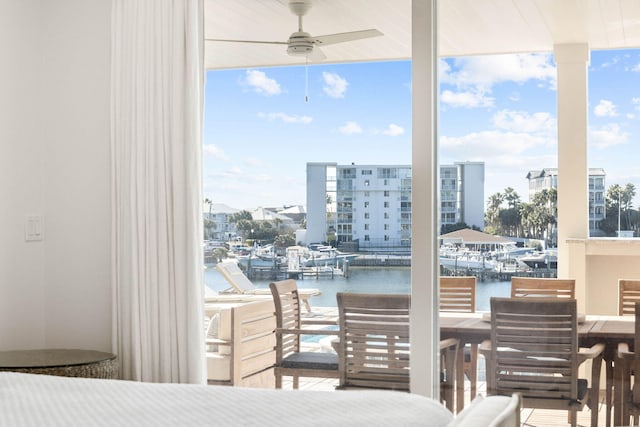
[34,228]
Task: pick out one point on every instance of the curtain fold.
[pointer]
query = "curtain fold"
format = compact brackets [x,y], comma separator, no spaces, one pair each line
[157,79]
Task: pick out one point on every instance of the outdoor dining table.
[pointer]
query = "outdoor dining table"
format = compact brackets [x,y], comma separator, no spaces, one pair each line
[473,328]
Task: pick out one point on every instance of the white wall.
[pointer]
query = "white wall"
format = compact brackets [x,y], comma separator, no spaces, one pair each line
[54,158]
[21,177]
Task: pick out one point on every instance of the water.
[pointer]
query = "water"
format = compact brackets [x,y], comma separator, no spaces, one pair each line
[366,280]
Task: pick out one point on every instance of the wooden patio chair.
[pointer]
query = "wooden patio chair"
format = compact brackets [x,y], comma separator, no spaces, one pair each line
[534,351]
[629,363]
[458,294]
[374,341]
[290,360]
[628,295]
[525,287]
[374,348]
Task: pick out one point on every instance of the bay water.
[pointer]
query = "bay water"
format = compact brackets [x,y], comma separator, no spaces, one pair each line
[365,280]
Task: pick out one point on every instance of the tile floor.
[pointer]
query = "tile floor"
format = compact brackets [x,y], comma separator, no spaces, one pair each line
[529,417]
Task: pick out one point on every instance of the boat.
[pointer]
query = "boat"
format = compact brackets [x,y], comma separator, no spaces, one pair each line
[459,259]
[541,259]
[316,256]
[467,262]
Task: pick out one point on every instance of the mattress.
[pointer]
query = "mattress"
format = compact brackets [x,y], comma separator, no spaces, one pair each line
[39,400]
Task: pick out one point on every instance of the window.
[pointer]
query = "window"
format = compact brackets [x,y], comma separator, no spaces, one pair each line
[366,226]
[366,204]
[386,215]
[366,182]
[386,204]
[366,172]
[386,226]
[366,215]
[386,193]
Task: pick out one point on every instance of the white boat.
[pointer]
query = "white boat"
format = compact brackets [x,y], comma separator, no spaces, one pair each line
[323,256]
[541,259]
[457,260]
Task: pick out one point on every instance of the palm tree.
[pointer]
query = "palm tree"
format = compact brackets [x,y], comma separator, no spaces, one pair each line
[209,224]
[492,215]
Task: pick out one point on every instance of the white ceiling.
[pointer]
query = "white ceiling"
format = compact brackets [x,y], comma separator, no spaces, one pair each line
[465,27]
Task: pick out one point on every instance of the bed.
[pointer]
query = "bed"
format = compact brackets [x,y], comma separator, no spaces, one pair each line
[38,400]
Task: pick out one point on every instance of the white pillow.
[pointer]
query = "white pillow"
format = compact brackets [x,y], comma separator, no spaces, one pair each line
[491,411]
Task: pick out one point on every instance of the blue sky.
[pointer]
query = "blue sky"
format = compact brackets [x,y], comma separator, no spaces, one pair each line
[260,131]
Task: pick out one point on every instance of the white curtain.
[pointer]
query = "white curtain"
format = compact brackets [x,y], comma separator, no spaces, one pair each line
[156,123]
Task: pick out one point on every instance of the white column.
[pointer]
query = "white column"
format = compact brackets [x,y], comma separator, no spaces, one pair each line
[424,266]
[573,176]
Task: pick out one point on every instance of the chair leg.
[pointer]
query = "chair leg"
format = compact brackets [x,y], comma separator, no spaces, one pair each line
[278,381]
[573,418]
[609,391]
[295,383]
[472,370]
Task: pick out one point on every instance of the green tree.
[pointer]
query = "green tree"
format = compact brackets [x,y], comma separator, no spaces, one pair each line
[284,240]
[492,214]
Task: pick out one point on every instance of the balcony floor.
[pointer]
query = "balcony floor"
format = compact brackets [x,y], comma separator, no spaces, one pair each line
[529,417]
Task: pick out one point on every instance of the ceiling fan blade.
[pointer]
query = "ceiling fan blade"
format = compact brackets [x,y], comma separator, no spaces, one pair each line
[345,37]
[317,55]
[244,41]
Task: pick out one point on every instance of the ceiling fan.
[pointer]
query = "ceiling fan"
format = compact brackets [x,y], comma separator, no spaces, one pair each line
[301,43]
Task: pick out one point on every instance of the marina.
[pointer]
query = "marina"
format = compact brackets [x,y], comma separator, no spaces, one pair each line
[364,280]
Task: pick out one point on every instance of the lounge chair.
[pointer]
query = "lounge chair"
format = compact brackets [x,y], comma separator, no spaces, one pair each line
[240,284]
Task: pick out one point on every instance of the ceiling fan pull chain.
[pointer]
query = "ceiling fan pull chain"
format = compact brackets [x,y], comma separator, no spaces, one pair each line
[306,80]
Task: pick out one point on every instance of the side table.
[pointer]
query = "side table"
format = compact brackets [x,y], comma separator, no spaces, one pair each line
[61,362]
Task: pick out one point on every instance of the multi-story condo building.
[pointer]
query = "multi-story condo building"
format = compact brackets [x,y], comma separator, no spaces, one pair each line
[370,205]
[548,178]
[462,194]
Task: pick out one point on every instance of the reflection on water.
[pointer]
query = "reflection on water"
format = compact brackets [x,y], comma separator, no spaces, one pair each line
[365,279]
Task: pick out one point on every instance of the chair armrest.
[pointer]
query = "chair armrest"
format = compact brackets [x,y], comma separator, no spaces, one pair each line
[485,348]
[591,353]
[319,322]
[308,331]
[449,342]
[624,352]
[216,341]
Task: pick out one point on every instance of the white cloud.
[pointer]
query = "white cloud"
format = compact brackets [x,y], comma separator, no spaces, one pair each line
[350,128]
[334,85]
[215,151]
[605,108]
[254,162]
[636,68]
[607,136]
[521,121]
[471,99]
[490,144]
[393,130]
[485,71]
[262,84]
[286,118]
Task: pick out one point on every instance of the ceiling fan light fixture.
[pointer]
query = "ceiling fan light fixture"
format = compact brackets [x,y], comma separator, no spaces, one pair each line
[300,49]
[300,44]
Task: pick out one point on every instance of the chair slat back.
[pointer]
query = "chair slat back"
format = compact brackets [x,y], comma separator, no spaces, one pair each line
[628,295]
[526,287]
[458,294]
[636,356]
[287,305]
[374,340]
[254,342]
[534,346]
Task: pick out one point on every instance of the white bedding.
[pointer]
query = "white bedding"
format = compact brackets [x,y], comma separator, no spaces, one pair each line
[40,400]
